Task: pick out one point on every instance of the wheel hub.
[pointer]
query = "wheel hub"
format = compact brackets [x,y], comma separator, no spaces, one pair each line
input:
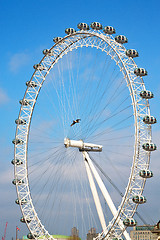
[82,145]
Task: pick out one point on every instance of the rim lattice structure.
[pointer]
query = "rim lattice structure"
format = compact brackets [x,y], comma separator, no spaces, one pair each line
[141,158]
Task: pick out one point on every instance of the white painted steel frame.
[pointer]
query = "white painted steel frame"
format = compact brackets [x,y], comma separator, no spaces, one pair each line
[105,193]
[141,158]
[95,195]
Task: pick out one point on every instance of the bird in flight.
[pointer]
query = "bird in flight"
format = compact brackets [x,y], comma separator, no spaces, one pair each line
[75,121]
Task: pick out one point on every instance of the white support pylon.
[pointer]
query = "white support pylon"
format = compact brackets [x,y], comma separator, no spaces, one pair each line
[105,194]
[95,196]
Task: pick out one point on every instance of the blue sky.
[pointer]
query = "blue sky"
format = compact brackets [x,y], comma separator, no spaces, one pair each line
[28,27]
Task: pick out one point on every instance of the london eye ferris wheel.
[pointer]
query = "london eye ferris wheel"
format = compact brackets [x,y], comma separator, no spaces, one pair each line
[83,137]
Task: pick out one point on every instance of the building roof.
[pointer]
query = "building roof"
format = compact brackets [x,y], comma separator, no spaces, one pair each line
[144,227]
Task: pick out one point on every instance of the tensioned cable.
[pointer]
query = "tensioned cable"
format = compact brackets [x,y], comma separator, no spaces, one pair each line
[109,101]
[101,98]
[107,104]
[117,88]
[116,188]
[113,115]
[106,176]
[72,83]
[117,153]
[65,96]
[51,101]
[105,89]
[80,182]
[88,85]
[59,95]
[108,131]
[115,138]
[100,123]
[96,102]
[61,157]
[45,170]
[92,91]
[86,195]
[115,169]
[40,154]
[56,185]
[40,130]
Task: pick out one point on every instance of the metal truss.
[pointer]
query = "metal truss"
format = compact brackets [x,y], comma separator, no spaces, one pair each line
[141,158]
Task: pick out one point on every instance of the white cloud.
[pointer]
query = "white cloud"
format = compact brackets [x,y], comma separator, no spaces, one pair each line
[6,176]
[3,97]
[17,61]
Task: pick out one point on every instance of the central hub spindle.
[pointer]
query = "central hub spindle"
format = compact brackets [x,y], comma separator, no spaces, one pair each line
[82,146]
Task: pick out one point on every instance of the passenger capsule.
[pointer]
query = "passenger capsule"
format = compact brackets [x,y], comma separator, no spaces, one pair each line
[25,102]
[32,236]
[132,53]
[139,199]
[149,119]
[121,39]
[145,173]
[130,222]
[17,181]
[96,25]
[48,52]
[83,26]
[17,141]
[149,147]
[28,220]
[140,72]
[20,121]
[31,84]
[70,31]
[109,30]
[146,94]
[45,51]
[39,67]
[57,39]
[16,162]
[117,239]
[23,201]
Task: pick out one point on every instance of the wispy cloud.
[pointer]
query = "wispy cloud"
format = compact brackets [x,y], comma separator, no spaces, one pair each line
[6,177]
[3,97]
[17,61]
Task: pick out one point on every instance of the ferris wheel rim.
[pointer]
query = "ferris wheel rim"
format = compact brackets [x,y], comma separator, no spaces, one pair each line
[90,33]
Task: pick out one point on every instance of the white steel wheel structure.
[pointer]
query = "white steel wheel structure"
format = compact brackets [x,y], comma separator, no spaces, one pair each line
[92,107]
